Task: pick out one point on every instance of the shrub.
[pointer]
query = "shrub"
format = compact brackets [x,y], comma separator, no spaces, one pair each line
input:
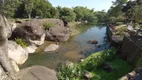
[77,71]
[21,42]
[121,29]
[97,59]
[74,72]
[48,25]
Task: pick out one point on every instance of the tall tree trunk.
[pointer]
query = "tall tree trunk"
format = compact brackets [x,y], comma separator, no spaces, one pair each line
[29,15]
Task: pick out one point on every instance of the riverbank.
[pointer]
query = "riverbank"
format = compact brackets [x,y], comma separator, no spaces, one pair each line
[103,65]
[129,46]
[121,65]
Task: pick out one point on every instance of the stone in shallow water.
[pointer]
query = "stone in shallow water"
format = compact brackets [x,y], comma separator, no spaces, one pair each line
[51,47]
[31,49]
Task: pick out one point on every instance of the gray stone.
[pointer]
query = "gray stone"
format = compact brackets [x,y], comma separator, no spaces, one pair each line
[51,47]
[58,32]
[17,53]
[30,49]
[93,41]
[36,73]
[88,75]
[30,30]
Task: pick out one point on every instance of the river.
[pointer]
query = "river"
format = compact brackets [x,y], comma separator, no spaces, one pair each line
[72,50]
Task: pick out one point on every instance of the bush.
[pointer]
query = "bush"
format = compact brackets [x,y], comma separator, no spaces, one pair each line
[74,72]
[97,59]
[21,42]
[121,30]
[48,25]
[77,71]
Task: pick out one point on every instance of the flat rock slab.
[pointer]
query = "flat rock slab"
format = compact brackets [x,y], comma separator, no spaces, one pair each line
[51,47]
[36,73]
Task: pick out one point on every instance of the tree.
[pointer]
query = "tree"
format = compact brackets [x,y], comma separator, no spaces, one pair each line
[92,19]
[79,11]
[10,7]
[42,8]
[129,5]
[102,16]
[135,13]
[116,10]
[29,7]
[67,14]
[54,13]
[85,14]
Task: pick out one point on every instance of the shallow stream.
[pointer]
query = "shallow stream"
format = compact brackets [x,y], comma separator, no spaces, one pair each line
[73,50]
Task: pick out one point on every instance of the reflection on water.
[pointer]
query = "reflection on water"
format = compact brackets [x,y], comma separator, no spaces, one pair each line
[72,50]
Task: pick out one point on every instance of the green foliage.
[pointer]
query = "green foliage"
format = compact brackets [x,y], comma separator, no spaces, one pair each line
[10,7]
[115,12]
[92,64]
[126,10]
[122,66]
[85,14]
[29,4]
[135,13]
[77,71]
[47,25]
[43,9]
[121,29]
[80,12]
[21,42]
[97,59]
[74,72]
[29,8]
[66,14]
[102,16]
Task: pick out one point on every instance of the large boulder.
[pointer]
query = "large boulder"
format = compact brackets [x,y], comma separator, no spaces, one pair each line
[17,53]
[30,31]
[36,73]
[58,32]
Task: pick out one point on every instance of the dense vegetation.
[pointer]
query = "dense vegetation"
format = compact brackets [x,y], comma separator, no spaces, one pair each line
[21,42]
[120,11]
[44,9]
[94,65]
[124,10]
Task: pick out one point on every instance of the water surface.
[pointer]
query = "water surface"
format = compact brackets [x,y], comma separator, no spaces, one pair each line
[72,50]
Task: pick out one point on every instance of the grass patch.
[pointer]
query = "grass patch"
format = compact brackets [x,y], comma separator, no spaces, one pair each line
[47,25]
[122,66]
[21,42]
[97,59]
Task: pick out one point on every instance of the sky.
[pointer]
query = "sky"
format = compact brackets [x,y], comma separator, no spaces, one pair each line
[98,5]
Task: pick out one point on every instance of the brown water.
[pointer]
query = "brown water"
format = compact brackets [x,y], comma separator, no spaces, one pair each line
[72,50]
